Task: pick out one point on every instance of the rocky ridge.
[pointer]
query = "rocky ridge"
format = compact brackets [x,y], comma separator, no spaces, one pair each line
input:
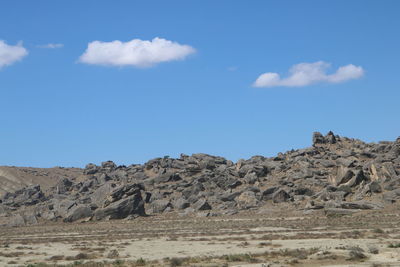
[338,175]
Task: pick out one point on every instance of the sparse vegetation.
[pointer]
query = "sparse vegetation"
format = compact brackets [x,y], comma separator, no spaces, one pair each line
[356,253]
[176,262]
[140,262]
[373,250]
[394,245]
[378,231]
[241,258]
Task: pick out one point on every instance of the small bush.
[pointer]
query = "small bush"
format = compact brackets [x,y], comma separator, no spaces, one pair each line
[356,253]
[240,257]
[373,250]
[264,244]
[176,262]
[82,256]
[394,245]
[113,254]
[378,231]
[118,262]
[141,262]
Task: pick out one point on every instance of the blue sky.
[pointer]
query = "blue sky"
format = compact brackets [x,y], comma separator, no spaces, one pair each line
[60,110]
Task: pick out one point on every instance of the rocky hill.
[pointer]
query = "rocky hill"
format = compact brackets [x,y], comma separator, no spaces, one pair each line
[14,178]
[338,175]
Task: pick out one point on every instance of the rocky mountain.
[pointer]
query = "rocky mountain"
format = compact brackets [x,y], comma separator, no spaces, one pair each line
[338,175]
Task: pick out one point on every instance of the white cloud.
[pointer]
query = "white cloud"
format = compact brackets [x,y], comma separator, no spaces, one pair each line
[232,68]
[10,54]
[51,46]
[304,74]
[139,53]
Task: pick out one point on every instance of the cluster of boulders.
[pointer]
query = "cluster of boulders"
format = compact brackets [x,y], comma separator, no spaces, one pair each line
[337,174]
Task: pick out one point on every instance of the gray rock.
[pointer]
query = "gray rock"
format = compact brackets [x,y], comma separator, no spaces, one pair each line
[344,188]
[102,178]
[30,219]
[362,205]
[78,212]
[327,163]
[181,204]
[19,220]
[108,165]
[202,204]
[303,191]
[357,178]
[344,162]
[391,196]
[123,191]
[330,138]
[132,205]
[343,176]
[247,200]
[62,206]
[268,193]
[16,221]
[100,195]
[27,196]
[3,209]
[280,196]
[91,169]
[160,205]
[318,138]
[229,196]
[251,178]
[375,187]
[63,186]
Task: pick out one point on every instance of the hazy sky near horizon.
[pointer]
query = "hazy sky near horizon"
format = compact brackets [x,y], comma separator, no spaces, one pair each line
[90,81]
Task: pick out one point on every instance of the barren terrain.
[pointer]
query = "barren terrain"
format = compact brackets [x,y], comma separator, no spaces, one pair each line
[273,237]
[335,203]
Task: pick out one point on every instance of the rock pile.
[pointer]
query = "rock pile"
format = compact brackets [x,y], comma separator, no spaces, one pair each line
[337,174]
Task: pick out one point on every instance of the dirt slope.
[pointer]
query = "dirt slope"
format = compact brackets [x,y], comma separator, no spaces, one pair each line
[14,178]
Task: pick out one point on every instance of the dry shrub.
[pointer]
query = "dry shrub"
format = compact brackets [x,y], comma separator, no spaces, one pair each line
[56,257]
[356,253]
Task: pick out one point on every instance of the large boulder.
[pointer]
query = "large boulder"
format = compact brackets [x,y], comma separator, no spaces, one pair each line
[78,212]
[61,207]
[91,169]
[280,196]
[159,205]
[318,138]
[181,203]
[362,205]
[123,191]
[268,193]
[343,175]
[132,205]
[100,195]
[247,200]
[229,196]
[346,176]
[391,196]
[108,165]
[202,204]
[358,177]
[22,219]
[63,186]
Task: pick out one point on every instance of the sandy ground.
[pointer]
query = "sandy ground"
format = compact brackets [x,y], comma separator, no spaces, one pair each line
[204,241]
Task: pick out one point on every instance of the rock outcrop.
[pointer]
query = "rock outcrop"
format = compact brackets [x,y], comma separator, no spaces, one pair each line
[337,174]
